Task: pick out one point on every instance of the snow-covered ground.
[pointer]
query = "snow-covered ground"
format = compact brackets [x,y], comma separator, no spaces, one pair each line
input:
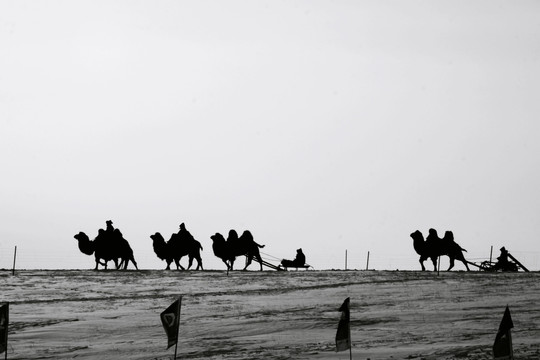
[66,314]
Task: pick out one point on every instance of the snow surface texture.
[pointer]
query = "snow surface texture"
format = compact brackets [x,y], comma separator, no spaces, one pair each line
[268,315]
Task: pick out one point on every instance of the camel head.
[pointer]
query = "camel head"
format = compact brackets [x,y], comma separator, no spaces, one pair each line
[217,238]
[160,246]
[157,238]
[85,245]
[418,242]
[81,237]
[219,245]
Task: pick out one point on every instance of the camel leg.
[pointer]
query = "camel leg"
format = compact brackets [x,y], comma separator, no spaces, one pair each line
[248,262]
[190,262]
[434,261]
[132,259]
[451,264]
[461,258]
[226,263]
[178,264]
[199,263]
[168,266]
[421,261]
[259,259]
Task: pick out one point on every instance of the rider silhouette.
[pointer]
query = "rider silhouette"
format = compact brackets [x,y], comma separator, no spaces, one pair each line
[299,260]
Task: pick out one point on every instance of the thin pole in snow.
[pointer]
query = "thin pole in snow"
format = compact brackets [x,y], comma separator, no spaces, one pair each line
[7,325]
[350,342]
[367,263]
[14,259]
[345,259]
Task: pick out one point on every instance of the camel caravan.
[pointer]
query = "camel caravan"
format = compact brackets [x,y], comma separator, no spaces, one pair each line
[433,247]
[110,245]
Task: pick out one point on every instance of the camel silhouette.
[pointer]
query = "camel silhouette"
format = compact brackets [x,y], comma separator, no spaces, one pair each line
[109,245]
[228,250]
[179,245]
[433,247]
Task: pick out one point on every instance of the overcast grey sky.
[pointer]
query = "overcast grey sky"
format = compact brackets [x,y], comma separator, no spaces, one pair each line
[325,125]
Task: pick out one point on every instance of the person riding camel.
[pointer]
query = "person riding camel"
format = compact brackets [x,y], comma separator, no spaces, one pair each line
[110,227]
[184,233]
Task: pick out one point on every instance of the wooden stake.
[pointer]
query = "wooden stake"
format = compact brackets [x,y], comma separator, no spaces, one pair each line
[345,259]
[367,263]
[14,259]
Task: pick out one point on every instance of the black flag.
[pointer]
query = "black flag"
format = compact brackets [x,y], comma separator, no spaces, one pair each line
[4,322]
[343,335]
[170,319]
[502,347]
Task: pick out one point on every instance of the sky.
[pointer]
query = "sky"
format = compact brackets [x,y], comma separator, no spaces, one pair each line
[332,126]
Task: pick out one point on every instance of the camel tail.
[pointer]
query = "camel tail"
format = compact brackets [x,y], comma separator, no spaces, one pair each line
[261,246]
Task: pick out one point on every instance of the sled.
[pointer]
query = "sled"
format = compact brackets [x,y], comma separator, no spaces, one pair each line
[305,267]
[512,266]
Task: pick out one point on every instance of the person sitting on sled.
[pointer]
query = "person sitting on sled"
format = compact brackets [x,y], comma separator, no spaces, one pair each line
[299,260]
[502,262]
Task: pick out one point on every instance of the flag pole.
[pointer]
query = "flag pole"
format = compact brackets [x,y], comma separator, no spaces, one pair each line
[178,327]
[350,341]
[7,327]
